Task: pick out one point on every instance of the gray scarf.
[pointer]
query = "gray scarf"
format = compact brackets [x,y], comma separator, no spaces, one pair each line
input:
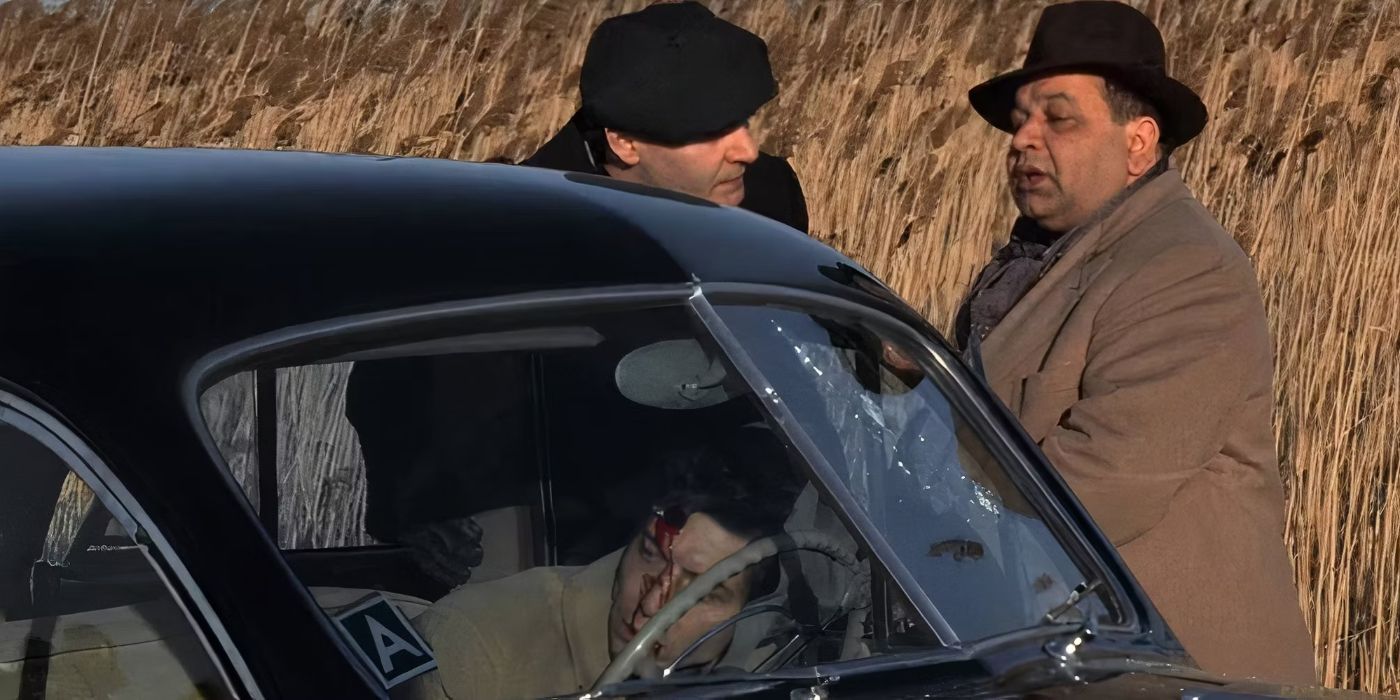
[1019,264]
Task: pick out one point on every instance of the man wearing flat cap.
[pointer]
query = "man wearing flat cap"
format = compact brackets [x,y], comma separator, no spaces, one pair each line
[1124,327]
[667,95]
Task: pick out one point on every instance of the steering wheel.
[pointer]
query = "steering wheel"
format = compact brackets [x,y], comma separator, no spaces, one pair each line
[625,663]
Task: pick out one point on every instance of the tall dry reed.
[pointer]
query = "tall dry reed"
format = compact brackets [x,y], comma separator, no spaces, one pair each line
[1299,162]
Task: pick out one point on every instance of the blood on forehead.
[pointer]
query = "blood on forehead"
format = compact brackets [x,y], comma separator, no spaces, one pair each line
[665,528]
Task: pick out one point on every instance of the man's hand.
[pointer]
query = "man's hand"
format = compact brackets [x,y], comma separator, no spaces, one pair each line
[446,550]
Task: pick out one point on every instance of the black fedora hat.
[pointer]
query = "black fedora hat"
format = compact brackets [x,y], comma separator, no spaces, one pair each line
[1102,38]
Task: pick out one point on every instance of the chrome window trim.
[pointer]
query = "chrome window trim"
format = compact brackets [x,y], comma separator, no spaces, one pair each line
[215,365]
[985,416]
[51,432]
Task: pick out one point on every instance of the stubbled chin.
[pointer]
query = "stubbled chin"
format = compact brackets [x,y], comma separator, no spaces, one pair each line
[728,195]
[1030,202]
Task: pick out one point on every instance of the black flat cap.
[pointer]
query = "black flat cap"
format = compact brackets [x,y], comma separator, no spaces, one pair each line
[674,73]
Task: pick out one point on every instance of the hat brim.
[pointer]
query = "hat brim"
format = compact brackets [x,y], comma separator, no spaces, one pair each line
[1183,113]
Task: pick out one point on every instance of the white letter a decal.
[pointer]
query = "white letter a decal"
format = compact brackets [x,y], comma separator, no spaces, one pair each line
[395,643]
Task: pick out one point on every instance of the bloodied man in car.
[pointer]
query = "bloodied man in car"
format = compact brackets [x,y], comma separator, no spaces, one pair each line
[1124,328]
[667,94]
[554,630]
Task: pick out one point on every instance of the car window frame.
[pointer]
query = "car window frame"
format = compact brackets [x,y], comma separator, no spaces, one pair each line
[263,354]
[1028,470]
[50,430]
[306,343]
[292,345]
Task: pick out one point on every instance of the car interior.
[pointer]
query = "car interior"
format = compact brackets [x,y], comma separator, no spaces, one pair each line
[546,437]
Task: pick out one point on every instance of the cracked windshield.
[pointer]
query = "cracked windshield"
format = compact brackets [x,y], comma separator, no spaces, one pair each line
[919,474]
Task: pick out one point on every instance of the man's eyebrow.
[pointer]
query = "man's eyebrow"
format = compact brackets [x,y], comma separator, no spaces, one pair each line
[1017,108]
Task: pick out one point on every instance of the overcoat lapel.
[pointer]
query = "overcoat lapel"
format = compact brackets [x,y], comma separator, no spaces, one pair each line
[1015,347]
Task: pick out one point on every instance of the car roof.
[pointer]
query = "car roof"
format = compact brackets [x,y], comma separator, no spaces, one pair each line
[113,256]
[368,231]
[295,209]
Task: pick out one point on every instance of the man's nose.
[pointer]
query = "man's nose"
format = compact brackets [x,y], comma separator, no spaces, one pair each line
[653,590]
[1026,136]
[741,146]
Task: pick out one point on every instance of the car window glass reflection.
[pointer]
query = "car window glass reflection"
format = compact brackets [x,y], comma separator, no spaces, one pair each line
[914,465]
[516,487]
[83,612]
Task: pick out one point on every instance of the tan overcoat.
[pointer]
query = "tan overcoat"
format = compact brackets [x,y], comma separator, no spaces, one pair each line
[1141,364]
[541,632]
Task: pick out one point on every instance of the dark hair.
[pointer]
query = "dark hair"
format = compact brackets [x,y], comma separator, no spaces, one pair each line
[1125,104]
[743,479]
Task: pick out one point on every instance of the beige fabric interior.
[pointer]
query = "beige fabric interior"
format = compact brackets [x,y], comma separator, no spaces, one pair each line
[134,651]
[506,543]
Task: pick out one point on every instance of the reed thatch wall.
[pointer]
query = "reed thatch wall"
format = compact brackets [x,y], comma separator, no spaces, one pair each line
[1299,161]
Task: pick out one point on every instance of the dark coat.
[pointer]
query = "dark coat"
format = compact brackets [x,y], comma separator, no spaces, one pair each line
[770,185]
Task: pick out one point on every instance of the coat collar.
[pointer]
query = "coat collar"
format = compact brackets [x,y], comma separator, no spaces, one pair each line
[1009,348]
[567,150]
[585,603]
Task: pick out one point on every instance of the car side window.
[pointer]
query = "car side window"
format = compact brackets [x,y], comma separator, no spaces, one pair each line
[450,466]
[83,612]
[314,461]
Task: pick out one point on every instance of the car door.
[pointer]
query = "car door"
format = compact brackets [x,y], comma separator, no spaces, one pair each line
[85,609]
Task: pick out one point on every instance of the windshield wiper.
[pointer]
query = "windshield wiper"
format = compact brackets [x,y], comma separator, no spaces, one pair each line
[1076,597]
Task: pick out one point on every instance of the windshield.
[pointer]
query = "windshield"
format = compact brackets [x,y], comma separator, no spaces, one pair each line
[919,474]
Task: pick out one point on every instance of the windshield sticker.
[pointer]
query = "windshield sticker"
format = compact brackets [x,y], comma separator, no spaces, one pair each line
[385,641]
[959,549]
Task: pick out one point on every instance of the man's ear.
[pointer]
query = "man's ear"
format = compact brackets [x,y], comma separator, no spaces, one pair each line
[1144,140]
[624,147]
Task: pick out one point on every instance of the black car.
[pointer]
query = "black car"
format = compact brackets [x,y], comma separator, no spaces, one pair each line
[259,410]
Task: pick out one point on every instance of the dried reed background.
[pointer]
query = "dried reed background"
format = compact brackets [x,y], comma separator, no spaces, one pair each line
[1298,161]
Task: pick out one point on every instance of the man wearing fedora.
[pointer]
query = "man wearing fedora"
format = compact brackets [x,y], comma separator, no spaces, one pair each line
[667,93]
[1124,327]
